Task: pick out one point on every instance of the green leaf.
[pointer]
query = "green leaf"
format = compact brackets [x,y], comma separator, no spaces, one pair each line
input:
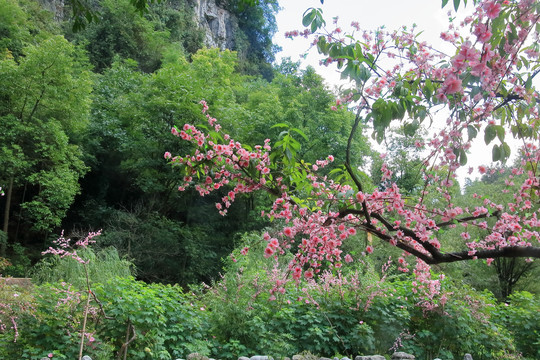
[489,134]
[444,2]
[298,131]
[410,128]
[308,17]
[456,5]
[335,51]
[500,132]
[528,83]
[496,153]
[364,74]
[462,157]
[505,151]
[428,89]
[472,132]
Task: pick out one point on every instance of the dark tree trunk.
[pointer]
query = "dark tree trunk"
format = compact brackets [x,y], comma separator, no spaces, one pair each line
[7,209]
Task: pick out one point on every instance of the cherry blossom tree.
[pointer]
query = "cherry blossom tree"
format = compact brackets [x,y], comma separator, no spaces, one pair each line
[484,87]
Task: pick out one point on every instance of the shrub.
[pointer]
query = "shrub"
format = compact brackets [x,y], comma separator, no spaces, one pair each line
[460,323]
[521,317]
[45,320]
[167,322]
[102,265]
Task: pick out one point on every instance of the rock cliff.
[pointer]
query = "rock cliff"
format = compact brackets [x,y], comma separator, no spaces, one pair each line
[218,24]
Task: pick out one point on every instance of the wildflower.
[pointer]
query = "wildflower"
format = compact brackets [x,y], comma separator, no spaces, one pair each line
[492,9]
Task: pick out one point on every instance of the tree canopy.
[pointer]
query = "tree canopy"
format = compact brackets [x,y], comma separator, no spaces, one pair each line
[486,88]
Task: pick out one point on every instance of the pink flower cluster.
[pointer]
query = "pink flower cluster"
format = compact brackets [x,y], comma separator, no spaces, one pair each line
[64,248]
[230,162]
[474,84]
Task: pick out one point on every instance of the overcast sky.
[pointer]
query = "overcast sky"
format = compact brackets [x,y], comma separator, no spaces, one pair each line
[426,14]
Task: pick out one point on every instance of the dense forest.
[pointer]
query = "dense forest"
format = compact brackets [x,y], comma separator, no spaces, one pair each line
[89,115]
[86,111]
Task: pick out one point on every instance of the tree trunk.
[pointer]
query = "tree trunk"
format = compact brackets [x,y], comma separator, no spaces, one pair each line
[6,217]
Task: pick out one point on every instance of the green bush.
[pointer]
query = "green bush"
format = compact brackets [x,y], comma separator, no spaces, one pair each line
[246,318]
[460,323]
[167,323]
[521,317]
[46,320]
[102,265]
[363,315]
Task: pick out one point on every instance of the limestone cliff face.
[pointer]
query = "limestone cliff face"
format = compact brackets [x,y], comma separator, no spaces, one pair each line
[54,6]
[218,24]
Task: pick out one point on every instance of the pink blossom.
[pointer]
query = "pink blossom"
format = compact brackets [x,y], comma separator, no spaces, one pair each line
[452,85]
[492,9]
[268,251]
[288,232]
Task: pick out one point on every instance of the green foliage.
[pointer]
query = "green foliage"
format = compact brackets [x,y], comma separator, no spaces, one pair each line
[23,22]
[44,106]
[520,316]
[12,30]
[257,25]
[163,249]
[19,264]
[122,31]
[167,321]
[362,316]
[404,160]
[504,275]
[246,318]
[102,265]
[48,320]
[461,324]
[132,115]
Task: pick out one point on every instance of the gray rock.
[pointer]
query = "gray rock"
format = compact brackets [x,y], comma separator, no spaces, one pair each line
[243,358]
[57,8]
[345,358]
[467,357]
[197,356]
[259,357]
[218,24]
[305,356]
[86,357]
[324,358]
[402,356]
[370,357]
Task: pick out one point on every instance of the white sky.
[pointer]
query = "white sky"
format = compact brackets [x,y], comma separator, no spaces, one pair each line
[426,14]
